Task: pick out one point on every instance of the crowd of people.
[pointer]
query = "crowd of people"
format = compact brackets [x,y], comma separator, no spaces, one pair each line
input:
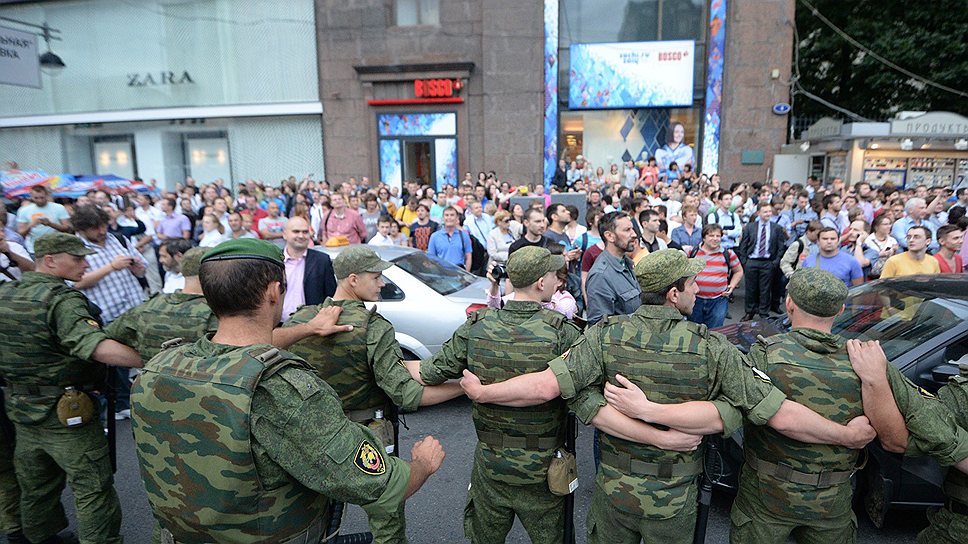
[760,232]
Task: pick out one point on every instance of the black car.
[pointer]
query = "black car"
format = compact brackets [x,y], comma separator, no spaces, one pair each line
[922,325]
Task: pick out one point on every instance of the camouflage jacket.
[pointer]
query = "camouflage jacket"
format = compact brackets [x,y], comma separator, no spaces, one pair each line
[954,397]
[161,318]
[672,360]
[365,365]
[238,447]
[48,339]
[813,368]
[498,345]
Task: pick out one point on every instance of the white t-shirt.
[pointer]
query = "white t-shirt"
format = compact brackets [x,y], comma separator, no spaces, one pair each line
[380,240]
[174,281]
[9,266]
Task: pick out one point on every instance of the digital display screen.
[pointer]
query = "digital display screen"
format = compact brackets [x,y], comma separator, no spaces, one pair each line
[632,75]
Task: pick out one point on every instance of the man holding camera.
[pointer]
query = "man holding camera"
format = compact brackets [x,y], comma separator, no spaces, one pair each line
[111,282]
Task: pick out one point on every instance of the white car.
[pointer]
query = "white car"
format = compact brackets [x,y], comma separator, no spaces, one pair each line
[426,299]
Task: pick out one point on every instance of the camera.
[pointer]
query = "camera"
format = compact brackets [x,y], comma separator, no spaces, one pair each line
[499,272]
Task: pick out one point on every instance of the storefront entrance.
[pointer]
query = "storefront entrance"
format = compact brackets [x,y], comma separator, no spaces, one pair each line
[418,146]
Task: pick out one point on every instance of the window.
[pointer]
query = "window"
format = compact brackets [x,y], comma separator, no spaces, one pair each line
[443,278]
[390,291]
[417,12]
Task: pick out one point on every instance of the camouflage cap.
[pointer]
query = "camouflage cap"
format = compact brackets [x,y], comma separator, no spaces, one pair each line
[660,269]
[817,292]
[60,242]
[245,248]
[528,264]
[356,260]
[192,261]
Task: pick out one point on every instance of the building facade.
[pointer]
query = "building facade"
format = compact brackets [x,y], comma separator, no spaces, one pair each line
[398,89]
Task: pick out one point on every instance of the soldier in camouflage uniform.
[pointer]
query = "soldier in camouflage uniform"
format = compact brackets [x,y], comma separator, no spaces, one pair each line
[949,525]
[644,492]
[55,343]
[241,442]
[788,487]
[365,364]
[9,489]
[515,446]
[183,314]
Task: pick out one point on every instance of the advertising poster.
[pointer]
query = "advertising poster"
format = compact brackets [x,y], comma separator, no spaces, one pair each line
[632,75]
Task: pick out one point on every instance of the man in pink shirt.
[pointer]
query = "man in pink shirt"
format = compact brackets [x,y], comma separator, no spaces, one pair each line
[342,221]
[296,235]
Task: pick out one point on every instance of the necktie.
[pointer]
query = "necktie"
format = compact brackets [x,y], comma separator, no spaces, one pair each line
[761,245]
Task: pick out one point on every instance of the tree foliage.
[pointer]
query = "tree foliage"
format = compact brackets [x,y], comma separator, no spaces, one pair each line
[929,39]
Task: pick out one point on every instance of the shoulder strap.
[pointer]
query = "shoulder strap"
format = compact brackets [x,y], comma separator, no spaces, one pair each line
[695,251]
[121,240]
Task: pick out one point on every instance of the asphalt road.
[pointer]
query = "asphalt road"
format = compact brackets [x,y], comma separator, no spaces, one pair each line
[435,513]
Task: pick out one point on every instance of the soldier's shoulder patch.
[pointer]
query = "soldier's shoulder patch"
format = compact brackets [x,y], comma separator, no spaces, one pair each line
[760,375]
[369,459]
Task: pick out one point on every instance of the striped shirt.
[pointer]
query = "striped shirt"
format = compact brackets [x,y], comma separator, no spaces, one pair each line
[713,279]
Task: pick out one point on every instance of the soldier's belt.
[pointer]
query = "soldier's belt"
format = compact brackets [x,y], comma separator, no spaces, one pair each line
[786,473]
[37,390]
[500,440]
[633,467]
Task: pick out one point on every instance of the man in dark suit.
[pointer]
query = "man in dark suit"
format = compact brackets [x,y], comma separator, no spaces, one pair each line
[309,274]
[760,250]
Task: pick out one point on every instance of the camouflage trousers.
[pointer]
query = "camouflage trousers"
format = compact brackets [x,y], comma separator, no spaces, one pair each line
[753,522]
[946,528]
[607,525]
[9,489]
[46,455]
[492,505]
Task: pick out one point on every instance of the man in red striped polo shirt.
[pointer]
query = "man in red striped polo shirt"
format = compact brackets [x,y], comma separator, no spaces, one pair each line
[715,281]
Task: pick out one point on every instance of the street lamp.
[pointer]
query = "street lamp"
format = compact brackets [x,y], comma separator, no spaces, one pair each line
[50,63]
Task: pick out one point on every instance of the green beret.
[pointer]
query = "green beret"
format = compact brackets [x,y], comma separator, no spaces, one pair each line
[660,269]
[60,242]
[191,261]
[356,260]
[528,264]
[245,248]
[817,292]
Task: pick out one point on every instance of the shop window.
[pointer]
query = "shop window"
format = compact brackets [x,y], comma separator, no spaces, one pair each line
[417,12]
[682,19]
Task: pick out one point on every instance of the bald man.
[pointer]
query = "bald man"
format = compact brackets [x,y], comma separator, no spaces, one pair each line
[309,274]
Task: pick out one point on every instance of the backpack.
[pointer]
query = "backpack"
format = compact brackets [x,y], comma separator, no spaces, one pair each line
[479,256]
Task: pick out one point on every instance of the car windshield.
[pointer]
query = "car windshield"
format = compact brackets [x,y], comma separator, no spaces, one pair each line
[443,278]
[901,318]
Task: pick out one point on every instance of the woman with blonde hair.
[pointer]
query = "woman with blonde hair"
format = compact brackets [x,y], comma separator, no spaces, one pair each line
[500,238]
[213,233]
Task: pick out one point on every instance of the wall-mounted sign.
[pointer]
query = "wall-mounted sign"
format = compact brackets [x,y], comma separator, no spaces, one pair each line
[938,123]
[826,127]
[781,108]
[435,88]
[159,79]
[19,63]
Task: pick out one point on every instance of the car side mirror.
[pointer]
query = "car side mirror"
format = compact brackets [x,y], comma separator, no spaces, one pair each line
[943,373]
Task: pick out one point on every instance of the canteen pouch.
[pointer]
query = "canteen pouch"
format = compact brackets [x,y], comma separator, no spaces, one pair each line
[75,408]
[563,474]
[383,430]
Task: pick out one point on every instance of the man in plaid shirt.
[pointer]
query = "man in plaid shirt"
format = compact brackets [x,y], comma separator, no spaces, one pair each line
[111,282]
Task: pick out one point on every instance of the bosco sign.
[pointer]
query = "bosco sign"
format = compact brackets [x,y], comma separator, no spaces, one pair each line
[433,88]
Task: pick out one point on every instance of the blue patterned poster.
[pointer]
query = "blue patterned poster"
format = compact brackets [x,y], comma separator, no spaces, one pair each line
[390,170]
[417,124]
[445,161]
[550,90]
[714,86]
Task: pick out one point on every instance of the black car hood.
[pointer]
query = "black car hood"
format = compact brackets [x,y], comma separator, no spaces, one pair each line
[744,334]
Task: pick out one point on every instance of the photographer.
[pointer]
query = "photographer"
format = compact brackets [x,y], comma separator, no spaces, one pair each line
[562,301]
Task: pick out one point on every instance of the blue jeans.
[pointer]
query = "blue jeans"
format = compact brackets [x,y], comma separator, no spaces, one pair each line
[710,311]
